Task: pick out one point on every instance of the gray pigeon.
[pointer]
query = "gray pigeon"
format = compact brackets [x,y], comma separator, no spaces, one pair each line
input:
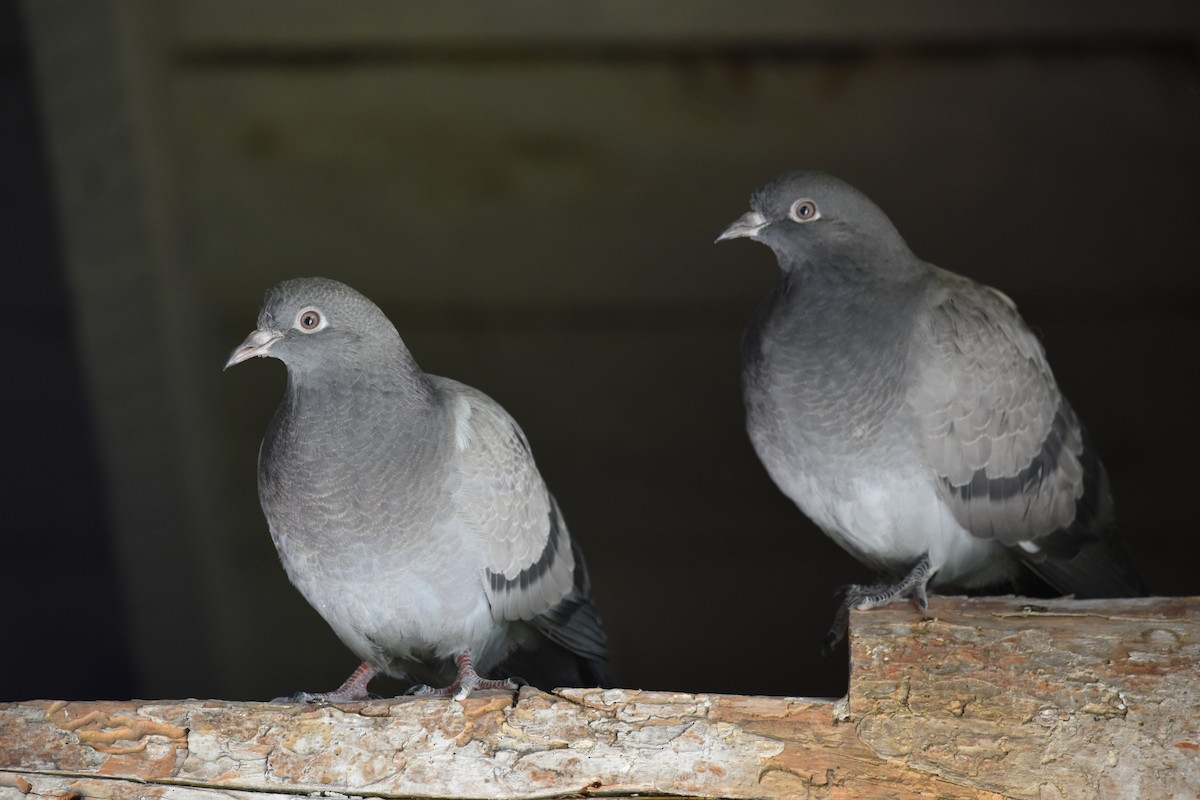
[911,414]
[407,509]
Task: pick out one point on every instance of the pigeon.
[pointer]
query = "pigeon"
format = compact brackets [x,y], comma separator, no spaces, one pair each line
[407,510]
[911,413]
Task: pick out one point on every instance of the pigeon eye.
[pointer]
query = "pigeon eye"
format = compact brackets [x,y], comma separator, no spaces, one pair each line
[804,210]
[310,320]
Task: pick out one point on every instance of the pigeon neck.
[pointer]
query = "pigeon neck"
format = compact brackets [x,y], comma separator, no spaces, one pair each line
[346,385]
[407,377]
[880,269]
[844,306]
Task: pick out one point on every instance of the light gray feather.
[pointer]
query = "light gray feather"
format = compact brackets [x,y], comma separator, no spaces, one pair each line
[994,426]
[501,496]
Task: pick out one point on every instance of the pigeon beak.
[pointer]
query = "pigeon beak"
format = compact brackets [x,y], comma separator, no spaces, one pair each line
[258,343]
[748,225]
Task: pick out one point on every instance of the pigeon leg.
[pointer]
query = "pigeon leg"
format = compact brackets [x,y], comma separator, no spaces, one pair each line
[863,597]
[468,680]
[354,688]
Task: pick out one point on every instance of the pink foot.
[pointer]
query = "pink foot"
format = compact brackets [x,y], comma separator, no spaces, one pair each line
[468,680]
[354,688]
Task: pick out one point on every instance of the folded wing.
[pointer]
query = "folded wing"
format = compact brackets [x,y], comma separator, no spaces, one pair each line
[1012,460]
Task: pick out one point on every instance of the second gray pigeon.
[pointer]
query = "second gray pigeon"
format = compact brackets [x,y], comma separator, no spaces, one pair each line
[911,413]
[408,511]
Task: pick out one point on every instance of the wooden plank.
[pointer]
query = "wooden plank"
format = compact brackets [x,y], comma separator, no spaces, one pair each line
[982,698]
[1035,699]
[629,24]
[612,742]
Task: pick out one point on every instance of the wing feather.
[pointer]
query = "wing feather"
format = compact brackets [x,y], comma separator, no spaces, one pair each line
[1005,445]
[533,573]
[1012,460]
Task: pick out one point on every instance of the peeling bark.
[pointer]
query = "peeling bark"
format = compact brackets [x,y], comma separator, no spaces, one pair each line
[1035,699]
[978,700]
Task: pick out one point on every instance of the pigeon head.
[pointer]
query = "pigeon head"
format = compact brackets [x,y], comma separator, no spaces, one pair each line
[316,323]
[811,217]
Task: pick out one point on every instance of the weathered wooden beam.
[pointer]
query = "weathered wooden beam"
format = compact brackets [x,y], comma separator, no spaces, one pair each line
[980,698]
[1035,698]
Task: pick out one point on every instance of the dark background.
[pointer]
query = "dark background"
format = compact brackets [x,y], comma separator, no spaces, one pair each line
[531,193]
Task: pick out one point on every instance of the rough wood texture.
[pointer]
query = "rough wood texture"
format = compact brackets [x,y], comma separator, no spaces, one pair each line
[983,698]
[1069,698]
[582,742]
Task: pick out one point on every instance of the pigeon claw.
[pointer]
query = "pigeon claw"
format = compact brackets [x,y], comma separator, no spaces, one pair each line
[317,698]
[468,680]
[461,688]
[858,597]
[352,689]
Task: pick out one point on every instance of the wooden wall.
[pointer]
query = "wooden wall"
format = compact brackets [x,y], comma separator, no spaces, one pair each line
[531,191]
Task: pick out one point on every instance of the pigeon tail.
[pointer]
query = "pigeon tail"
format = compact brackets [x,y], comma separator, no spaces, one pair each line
[1087,559]
[572,627]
